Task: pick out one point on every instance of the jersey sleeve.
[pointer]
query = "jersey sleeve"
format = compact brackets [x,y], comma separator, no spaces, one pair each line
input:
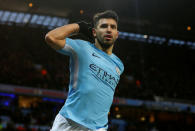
[122,67]
[120,64]
[73,47]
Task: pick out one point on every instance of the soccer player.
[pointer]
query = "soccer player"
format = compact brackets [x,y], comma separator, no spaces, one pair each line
[94,73]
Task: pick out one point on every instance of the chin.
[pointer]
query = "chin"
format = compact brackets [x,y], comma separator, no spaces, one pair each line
[107,44]
[104,43]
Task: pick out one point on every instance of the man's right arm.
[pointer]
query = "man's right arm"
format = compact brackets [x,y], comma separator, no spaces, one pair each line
[56,38]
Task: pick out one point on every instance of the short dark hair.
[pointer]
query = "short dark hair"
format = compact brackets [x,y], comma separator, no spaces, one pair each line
[106,14]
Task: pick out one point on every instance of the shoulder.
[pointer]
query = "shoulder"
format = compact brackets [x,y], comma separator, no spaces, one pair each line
[70,40]
[74,46]
[77,44]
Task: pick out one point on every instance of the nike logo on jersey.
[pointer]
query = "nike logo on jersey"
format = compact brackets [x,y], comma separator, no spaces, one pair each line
[93,54]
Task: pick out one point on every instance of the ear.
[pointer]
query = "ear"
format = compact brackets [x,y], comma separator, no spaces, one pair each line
[94,32]
[117,34]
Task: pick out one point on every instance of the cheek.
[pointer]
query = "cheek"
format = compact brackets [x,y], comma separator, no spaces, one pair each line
[116,35]
[98,34]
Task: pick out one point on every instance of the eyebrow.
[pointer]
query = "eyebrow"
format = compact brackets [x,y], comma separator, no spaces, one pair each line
[105,24]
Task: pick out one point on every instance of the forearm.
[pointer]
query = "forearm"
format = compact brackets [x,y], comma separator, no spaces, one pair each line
[63,31]
[56,38]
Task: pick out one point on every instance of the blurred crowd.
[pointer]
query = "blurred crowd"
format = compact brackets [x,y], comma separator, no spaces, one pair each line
[35,118]
[27,60]
[40,118]
[151,70]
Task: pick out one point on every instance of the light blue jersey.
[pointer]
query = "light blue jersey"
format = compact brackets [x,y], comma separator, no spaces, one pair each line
[94,76]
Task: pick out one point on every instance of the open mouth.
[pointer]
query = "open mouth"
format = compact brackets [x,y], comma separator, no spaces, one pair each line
[108,37]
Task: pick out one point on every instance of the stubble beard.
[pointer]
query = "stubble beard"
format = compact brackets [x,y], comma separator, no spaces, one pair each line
[103,44]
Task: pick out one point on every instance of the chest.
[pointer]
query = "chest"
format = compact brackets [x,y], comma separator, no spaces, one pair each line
[102,65]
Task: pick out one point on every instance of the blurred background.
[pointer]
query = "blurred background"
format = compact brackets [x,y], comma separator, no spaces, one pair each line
[156,44]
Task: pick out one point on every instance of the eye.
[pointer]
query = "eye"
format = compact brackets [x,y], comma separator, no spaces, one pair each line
[113,26]
[103,26]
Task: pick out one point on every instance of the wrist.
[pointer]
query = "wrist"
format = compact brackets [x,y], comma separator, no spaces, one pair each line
[76,27]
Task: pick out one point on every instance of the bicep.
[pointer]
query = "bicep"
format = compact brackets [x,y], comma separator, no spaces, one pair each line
[55,43]
[59,44]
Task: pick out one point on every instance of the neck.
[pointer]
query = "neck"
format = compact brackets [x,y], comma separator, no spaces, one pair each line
[106,50]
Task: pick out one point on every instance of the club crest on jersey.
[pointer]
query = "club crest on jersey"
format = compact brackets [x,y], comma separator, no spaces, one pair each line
[118,71]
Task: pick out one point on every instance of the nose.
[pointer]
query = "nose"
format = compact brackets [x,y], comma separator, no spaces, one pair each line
[109,29]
